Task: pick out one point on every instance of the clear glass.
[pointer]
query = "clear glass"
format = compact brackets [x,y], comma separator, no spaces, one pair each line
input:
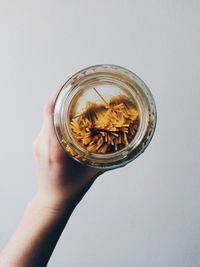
[109,80]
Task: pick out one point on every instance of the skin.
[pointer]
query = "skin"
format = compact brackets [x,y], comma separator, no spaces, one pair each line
[62,182]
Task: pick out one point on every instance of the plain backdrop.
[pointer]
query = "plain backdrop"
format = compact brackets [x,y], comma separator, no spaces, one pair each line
[146,214]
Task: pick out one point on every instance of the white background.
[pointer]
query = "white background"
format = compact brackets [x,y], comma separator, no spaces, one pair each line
[147,213]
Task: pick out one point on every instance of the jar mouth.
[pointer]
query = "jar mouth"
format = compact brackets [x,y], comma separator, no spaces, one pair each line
[99,75]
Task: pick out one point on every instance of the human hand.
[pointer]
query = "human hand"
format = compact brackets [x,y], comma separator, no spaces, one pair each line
[62,181]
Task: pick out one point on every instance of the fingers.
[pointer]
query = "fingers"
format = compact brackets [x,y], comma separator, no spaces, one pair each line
[49,109]
[49,106]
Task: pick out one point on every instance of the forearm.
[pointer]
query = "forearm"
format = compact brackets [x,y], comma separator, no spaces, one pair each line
[36,236]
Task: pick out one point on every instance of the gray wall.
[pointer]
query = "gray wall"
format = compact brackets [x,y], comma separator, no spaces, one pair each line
[148,213]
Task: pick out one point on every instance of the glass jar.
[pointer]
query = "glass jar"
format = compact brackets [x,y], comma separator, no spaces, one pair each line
[97,84]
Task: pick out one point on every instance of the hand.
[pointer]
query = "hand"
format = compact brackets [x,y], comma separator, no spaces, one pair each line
[62,181]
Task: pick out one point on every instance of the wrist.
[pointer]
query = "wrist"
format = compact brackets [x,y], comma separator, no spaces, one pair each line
[49,206]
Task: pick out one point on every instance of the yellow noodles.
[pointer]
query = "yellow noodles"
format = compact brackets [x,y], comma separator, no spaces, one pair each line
[106,127]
